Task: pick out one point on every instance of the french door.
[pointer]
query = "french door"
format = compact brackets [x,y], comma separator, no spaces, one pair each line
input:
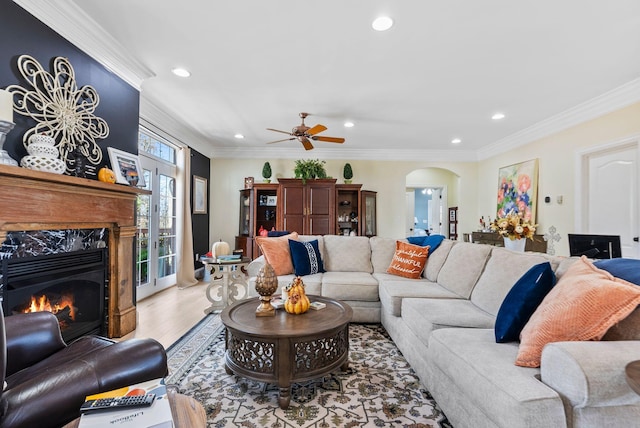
[156,260]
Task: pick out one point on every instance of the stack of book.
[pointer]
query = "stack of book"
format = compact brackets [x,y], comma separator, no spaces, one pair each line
[156,415]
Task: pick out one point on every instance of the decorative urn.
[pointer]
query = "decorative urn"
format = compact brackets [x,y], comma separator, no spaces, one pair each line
[266,285]
[43,155]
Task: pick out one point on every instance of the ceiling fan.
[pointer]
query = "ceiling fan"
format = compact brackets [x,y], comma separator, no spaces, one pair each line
[304,134]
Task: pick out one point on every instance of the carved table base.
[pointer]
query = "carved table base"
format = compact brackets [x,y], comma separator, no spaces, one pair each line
[286,348]
[228,283]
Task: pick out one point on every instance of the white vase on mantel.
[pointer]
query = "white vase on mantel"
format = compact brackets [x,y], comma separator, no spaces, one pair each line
[515,244]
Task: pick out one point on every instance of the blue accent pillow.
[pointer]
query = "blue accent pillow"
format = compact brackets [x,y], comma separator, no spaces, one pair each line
[277,233]
[432,241]
[627,269]
[306,257]
[522,300]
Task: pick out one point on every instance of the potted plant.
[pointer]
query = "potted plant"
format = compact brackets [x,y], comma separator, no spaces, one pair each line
[347,173]
[266,172]
[309,169]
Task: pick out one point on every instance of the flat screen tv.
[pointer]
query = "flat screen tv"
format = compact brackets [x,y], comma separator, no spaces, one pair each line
[595,246]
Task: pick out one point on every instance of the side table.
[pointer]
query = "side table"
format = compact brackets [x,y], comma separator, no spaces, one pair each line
[228,282]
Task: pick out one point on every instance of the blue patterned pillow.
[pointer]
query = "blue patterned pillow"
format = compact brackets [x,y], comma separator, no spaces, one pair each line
[306,257]
[627,269]
[522,301]
[432,241]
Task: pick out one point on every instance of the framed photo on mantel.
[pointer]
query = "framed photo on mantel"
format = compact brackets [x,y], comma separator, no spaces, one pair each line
[126,167]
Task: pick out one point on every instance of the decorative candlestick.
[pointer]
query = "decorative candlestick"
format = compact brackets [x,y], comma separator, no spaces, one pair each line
[5,127]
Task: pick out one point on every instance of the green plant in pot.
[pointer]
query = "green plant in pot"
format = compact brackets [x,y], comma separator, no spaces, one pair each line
[309,169]
[266,172]
[347,173]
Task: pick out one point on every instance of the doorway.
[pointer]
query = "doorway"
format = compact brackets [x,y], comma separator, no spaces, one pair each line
[610,198]
[428,193]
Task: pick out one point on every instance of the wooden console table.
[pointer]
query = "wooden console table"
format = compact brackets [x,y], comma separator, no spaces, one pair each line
[538,244]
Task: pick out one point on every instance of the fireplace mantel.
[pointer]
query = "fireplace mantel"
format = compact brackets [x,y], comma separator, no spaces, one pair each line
[34,200]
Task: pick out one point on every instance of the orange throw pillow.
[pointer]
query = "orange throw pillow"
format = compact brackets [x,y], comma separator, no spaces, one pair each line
[583,305]
[276,252]
[409,260]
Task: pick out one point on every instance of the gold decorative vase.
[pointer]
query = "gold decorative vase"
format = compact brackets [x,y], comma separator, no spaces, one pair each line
[266,285]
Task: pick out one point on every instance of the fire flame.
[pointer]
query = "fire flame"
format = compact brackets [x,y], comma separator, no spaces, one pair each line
[42,303]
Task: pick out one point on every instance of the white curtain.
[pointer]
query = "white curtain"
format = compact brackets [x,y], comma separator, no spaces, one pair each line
[185,276]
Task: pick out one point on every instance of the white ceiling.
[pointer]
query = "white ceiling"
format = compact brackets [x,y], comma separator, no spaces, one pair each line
[440,72]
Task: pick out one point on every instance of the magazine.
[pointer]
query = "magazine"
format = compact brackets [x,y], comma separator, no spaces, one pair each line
[158,415]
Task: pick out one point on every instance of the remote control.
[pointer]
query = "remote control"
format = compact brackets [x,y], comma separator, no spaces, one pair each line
[117,403]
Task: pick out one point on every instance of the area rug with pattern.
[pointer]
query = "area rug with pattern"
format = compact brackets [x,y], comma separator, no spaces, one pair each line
[379,389]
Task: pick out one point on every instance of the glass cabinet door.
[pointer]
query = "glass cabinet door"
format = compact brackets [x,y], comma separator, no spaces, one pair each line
[245,212]
[368,213]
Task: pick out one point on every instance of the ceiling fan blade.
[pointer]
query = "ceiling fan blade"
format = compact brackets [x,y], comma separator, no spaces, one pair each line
[277,130]
[328,139]
[316,129]
[279,141]
[306,143]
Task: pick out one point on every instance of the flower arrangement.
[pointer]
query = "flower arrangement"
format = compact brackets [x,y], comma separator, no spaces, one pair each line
[513,226]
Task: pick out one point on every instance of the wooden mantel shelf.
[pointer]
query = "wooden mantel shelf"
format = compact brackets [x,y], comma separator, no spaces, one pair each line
[35,200]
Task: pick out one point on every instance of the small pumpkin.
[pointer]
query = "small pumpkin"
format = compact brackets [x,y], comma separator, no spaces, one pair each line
[297,301]
[106,175]
[220,248]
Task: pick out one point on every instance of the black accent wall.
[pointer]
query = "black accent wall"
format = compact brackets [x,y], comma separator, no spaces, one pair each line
[21,34]
[200,166]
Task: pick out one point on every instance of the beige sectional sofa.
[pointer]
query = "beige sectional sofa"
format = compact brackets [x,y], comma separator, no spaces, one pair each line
[443,324]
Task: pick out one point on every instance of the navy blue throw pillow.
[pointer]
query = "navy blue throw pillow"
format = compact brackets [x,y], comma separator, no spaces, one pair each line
[522,300]
[277,233]
[627,269]
[433,241]
[305,257]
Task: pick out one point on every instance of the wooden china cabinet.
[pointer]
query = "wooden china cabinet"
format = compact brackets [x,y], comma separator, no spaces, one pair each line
[348,208]
[258,209]
[308,208]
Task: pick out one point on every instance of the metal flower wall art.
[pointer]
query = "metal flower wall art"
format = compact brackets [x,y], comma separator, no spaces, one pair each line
[60,109]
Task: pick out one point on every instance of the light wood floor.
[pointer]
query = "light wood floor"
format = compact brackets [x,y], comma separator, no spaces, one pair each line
[167,315]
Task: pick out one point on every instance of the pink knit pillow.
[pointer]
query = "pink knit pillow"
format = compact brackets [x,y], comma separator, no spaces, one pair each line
[276,252]
[583,305]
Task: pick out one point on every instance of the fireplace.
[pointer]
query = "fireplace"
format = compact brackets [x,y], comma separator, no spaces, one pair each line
[72,285]
[36,200]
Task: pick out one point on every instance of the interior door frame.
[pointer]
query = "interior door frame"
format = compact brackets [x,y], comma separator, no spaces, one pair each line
[582,171]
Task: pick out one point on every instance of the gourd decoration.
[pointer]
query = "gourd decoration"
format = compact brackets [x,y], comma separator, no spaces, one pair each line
[266,285]
[220,248]
[106,175]
[297,301]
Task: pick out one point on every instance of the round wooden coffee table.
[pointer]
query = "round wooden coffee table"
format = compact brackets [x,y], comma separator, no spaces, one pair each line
[286,348]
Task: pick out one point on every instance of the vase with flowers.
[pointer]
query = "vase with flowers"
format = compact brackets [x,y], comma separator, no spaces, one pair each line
[514,229]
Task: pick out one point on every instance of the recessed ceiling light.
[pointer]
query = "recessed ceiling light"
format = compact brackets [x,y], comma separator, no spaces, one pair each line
[348,124]
[239,136]
[382,23]
[181,72]
[498,116]
[456,141]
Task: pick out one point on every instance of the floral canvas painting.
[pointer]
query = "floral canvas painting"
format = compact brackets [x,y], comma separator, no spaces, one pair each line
[517,189]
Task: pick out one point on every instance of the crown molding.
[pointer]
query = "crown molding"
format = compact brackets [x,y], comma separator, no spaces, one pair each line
[68,20]
[615,99]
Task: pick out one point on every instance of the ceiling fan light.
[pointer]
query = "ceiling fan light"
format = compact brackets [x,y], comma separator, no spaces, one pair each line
[382,23]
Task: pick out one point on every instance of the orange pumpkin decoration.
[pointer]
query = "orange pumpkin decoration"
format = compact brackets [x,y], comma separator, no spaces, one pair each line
[106,175]
[297,301]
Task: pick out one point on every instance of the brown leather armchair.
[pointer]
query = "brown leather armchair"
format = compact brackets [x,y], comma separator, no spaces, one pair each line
[47,380]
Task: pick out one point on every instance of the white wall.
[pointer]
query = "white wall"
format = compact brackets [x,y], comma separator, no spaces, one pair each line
[557,156]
